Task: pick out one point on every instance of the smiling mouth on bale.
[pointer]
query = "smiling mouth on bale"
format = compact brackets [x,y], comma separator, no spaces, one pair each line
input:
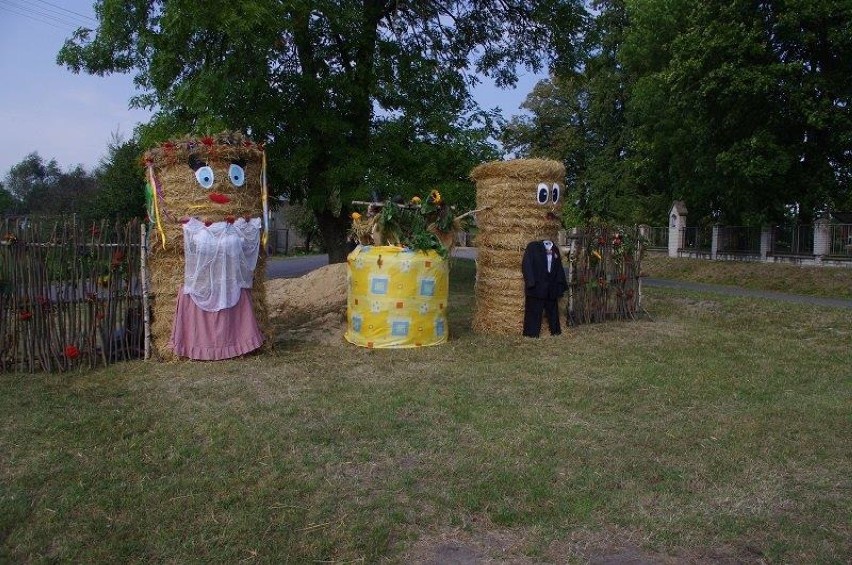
[219,198]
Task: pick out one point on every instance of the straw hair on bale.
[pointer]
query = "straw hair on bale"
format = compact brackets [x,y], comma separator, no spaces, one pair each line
[182,197]
[513,216]
[520,169]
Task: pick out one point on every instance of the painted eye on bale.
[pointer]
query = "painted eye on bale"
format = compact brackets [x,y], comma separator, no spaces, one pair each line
[237,174]
[554,194]
[204,176]
[543,193]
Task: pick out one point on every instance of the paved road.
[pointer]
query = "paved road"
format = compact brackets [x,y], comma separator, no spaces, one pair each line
[290,267]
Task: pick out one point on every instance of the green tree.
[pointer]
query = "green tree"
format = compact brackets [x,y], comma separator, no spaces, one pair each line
[316,79]
[39,187]
[8,204]
[579,116]
[31,181]
[121,183]
[743,109]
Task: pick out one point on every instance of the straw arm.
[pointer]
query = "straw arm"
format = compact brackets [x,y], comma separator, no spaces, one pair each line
[472,212]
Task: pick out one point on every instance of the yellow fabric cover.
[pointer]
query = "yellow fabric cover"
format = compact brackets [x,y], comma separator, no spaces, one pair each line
[397,297]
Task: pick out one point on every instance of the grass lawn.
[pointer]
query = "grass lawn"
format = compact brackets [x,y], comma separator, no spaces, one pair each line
[719,431]
[831,282]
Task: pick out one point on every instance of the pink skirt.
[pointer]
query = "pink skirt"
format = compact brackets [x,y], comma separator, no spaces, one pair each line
[211,336]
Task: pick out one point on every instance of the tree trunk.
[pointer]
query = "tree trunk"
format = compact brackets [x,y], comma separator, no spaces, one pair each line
[333,232]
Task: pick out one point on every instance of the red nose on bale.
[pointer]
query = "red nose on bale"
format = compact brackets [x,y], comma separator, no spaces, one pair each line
[219,198]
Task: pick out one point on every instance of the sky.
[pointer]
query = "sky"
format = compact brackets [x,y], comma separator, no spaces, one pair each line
[69,117]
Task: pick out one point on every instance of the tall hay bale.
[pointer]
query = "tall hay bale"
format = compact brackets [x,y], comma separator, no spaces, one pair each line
[514,217]
[182,197]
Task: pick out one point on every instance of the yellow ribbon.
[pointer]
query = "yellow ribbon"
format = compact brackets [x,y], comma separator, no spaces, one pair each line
[156,198]
[264,195]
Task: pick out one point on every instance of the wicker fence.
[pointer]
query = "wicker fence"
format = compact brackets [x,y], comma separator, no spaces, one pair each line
[70,294]
[604,274]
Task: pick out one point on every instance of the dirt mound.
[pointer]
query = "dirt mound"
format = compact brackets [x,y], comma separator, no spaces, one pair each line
[311,307]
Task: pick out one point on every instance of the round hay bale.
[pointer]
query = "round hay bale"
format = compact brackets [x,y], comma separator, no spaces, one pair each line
[506,258]
[181,196]
[524,203]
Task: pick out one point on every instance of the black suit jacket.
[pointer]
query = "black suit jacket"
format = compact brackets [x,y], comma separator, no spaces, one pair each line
[539,283]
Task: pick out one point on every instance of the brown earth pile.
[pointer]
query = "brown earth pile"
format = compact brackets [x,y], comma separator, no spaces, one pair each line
[311,307]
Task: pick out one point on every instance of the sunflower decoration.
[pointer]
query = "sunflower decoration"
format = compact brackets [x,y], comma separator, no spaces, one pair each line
[362,227]
[419,223]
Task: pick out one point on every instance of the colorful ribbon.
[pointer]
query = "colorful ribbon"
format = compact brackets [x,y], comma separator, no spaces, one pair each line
[155,188]
[264,195]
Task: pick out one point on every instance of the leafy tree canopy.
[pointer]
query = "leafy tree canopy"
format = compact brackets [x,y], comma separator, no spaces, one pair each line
[39,187]
[121,183]
[7,201]
[320,81]
[742,109]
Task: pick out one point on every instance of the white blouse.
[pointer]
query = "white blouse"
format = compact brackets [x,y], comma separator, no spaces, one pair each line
[220,261]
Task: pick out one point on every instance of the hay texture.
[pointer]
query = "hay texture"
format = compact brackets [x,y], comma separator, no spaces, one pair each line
[177,197]
[513,216]
[311,308]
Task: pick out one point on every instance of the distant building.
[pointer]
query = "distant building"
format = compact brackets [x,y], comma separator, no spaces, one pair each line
[283,238]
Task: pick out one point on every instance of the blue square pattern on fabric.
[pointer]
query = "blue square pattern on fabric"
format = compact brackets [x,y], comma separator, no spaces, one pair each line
[439,327]
[427,287]
[379,285]
[399,328]
[356,323]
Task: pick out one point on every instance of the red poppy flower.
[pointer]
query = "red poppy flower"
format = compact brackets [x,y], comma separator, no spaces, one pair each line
[71,351]
[219,198]
[26,315]
[168,146]
[208,141]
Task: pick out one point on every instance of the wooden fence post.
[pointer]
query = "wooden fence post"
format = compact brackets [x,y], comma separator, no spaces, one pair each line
[143,278]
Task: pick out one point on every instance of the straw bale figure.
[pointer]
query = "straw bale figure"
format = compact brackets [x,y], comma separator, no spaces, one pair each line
[207,203]
[522,201]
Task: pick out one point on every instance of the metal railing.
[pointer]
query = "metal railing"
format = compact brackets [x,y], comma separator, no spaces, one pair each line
[698,238]
[840,238]
[738,240]
[792,240]
[656,237]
